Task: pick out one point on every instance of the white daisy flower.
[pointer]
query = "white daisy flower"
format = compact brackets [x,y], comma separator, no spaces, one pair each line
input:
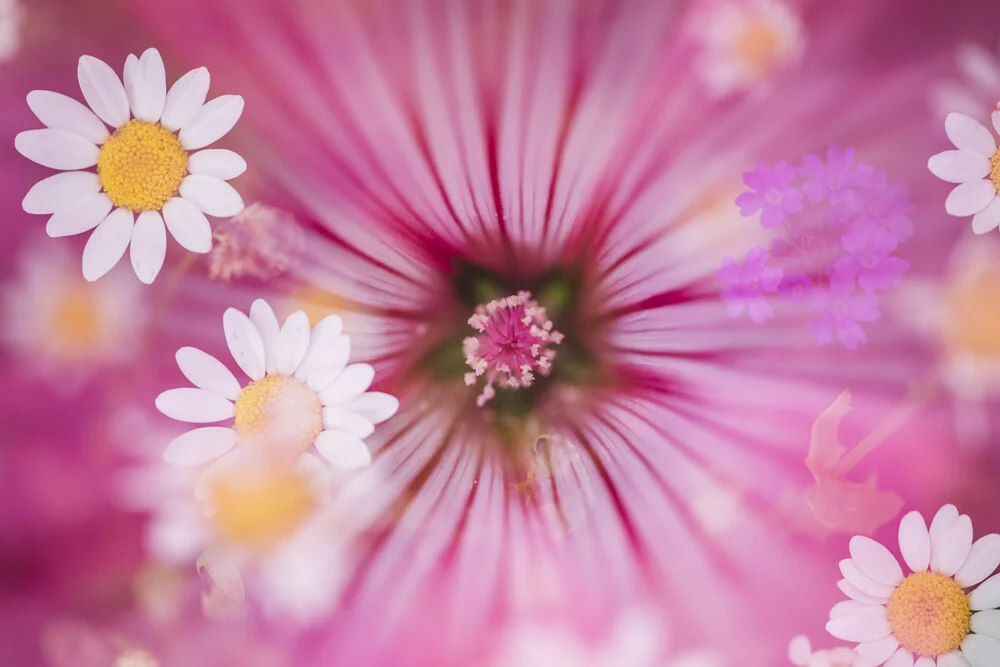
[302,393]
[148,172]
[744,41]
[975,166]
[801,653]
[62,331]
[944,613]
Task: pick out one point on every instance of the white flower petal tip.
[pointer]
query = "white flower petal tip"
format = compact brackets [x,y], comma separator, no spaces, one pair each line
[217,163]
[103,91]
[146,85]
[859,627]
[981,651]
[107,244]
[876,652]
[374,406]
[988,219]
[211,195]
[188,225]
[208,373]
[200,446]
[984,558]
[875,561]
[149,246]
[59,112]
[986,595]
[968,134]
[959,166]
[263,317]
[185,98]
[800,651]
[951,551]
[293,341]
[353,382]
[970,198]
[63,190]
[212,122]
[915,542]
[901,658]
[56,149]
[195,406]
[343,450]
[245,343]
[88,212]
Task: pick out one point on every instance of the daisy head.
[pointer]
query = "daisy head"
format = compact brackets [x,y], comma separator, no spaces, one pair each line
[151,175]
[60,328]
[975,166]
[944,612]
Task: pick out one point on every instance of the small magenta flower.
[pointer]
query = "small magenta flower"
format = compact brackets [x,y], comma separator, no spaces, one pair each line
[868,246]
[512,345]
[747,285]
[838,173]
[841,312]
[773,194]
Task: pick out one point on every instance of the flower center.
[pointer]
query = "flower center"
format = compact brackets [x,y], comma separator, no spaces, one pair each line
[279,413]
[141,166]
[972,322]
[514,335]
[929,614]
[757,47]
[262,505]
[995,172]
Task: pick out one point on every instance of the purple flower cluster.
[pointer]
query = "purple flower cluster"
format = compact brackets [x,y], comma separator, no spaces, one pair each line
[836,226]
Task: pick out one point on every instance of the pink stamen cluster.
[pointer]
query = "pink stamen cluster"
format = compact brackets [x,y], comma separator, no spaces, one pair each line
[512,345]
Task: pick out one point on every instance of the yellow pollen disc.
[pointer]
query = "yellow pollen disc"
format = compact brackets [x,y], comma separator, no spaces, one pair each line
[757,46]
[280,414]
[141,166]
[995,172]
[261,506]
[929,614]
[972,320]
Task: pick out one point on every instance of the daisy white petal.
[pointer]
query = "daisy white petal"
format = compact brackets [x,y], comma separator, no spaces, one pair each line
[185,98]
[149,246]
[981,651]
[56,149]
[940,525]
[984,558]
[953,548]
[863,582]
[996,120]
[293,341]
[343,450]
[354,381]
[211,195]
[875,560]
[208,373]
[339,419]
[845,607]
[217,163]
[959,166]
[986,595]
[859,627]
[915,542]
[968,134]
[88,212]
[266,321]
[107,244]
[970,198]
[103,91]
[196,406]
[146,85]
[878,651]
[244,342]
[60,112]
[953,659]
[200,446]
[855,593]
[901,658]
[925,661]
[374,406]
[800,650]
[211,122]
[987,219]
[324,334]
[60,191]
[321,368]
[188,225]
[986,622]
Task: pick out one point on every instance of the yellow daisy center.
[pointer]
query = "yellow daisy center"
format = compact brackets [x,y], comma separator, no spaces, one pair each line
[141,166]
[972,320]
[279,413]
[995,172]
[757,46]
[929,614]
[261,506]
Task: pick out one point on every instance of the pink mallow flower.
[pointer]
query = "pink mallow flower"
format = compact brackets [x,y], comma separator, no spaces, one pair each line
[841,312]
[868,246]
[747,285]
[773,194]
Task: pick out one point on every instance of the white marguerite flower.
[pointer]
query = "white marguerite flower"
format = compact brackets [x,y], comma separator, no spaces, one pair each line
[743,42]
[801,653]
[302,393]
[151,174]
[943,614]
[975,166]
[59,330]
